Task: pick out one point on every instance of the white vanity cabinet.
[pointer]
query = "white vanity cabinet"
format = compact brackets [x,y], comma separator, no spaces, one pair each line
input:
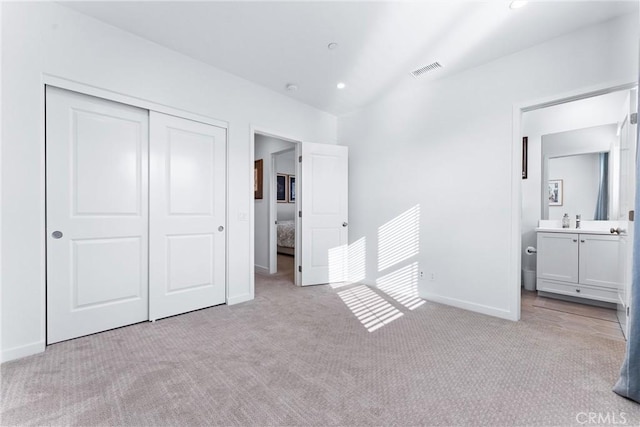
[579,264]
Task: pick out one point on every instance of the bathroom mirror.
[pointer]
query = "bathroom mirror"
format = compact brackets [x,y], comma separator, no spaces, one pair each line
[580,173]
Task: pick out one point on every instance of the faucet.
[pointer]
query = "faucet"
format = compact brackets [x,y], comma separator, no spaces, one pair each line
[578,221]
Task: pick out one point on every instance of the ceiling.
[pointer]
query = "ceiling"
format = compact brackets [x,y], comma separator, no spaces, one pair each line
[379,43]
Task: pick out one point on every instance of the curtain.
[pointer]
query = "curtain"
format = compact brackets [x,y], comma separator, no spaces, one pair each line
[602,205]
[629,383]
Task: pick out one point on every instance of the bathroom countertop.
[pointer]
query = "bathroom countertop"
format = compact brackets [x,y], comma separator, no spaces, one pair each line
[574,230]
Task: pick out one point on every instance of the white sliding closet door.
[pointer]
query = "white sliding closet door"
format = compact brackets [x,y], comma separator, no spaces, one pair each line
[97,216]
[187,215]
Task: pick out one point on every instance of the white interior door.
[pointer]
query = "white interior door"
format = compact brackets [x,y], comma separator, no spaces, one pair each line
[187,215]
[324,206]
[627,180]
[97,198]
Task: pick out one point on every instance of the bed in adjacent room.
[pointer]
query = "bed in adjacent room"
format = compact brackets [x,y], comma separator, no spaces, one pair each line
[286,236]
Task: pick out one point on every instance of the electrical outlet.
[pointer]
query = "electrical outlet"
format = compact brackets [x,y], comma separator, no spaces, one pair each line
[433,277]
[422,274]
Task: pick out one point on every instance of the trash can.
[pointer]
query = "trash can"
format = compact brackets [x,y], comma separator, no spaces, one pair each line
[529,279]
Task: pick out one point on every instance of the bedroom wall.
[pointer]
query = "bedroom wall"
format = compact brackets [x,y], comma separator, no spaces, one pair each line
[439,153]
[47,38]
[285,163]
[264,147]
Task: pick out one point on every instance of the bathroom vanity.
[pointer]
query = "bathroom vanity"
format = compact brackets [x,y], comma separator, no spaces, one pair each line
[583,263]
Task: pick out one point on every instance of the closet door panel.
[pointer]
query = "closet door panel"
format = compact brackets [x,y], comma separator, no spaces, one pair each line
[97,218]
[187,215]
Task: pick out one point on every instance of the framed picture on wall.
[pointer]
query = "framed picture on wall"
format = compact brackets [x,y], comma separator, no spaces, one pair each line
[292,189]
[555,192]
[281,188]
[257,179]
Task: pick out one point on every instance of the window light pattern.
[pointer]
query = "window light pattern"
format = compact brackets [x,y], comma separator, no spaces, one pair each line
[338,264]
[402,286]
[399,239]
[370,308]
[347,265]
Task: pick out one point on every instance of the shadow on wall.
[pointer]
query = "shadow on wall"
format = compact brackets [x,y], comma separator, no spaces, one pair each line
[398,243]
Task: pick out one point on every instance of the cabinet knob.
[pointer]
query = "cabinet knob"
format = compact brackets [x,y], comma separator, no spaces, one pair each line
[578,290]
[582,240]
[575,240]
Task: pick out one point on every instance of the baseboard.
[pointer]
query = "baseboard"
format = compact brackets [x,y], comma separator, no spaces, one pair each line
[22,351]
[240,298]
[260,269]
[586,301]
[466,305]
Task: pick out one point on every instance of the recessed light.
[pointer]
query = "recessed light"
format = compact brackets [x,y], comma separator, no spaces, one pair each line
[341,85]
[332,45]
[291,87]
[517,4]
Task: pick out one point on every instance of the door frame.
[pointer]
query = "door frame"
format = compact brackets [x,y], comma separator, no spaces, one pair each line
[261,130]
[518,109]
[273,211]
[104,93]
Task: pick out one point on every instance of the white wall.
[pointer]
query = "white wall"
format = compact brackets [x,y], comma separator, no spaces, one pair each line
[46,38]
[285,163]
[580,175]
[585,113]
[264,147]
[447,146]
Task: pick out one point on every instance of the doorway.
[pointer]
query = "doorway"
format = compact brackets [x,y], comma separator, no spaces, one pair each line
[275,206]
[319,192]
[567,143]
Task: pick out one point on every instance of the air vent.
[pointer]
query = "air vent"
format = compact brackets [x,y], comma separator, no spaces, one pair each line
[420,72]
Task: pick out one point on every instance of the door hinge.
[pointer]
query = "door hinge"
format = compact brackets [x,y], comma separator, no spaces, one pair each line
[632,215]
[299,159]
[633,118]
[300,268]
[627,311]
[299,214]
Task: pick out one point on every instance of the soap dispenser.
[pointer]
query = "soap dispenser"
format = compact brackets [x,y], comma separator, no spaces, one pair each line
[578,221]
[565,221]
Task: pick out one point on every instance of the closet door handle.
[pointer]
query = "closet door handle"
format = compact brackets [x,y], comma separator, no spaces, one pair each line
[221,228]
[344,224]
[57,234]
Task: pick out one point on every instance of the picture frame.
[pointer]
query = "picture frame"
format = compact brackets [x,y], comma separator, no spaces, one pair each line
[292,189]
[525,154]
[258,179]
[281,188]
[555,192]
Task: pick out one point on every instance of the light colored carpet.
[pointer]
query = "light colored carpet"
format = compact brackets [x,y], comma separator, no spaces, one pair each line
[300,356]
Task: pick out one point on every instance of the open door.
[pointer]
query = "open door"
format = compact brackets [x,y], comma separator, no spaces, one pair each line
[628,143]
[324,213]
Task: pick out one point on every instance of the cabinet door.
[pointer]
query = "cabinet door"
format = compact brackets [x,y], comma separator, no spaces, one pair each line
[558,257]
[599,261]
